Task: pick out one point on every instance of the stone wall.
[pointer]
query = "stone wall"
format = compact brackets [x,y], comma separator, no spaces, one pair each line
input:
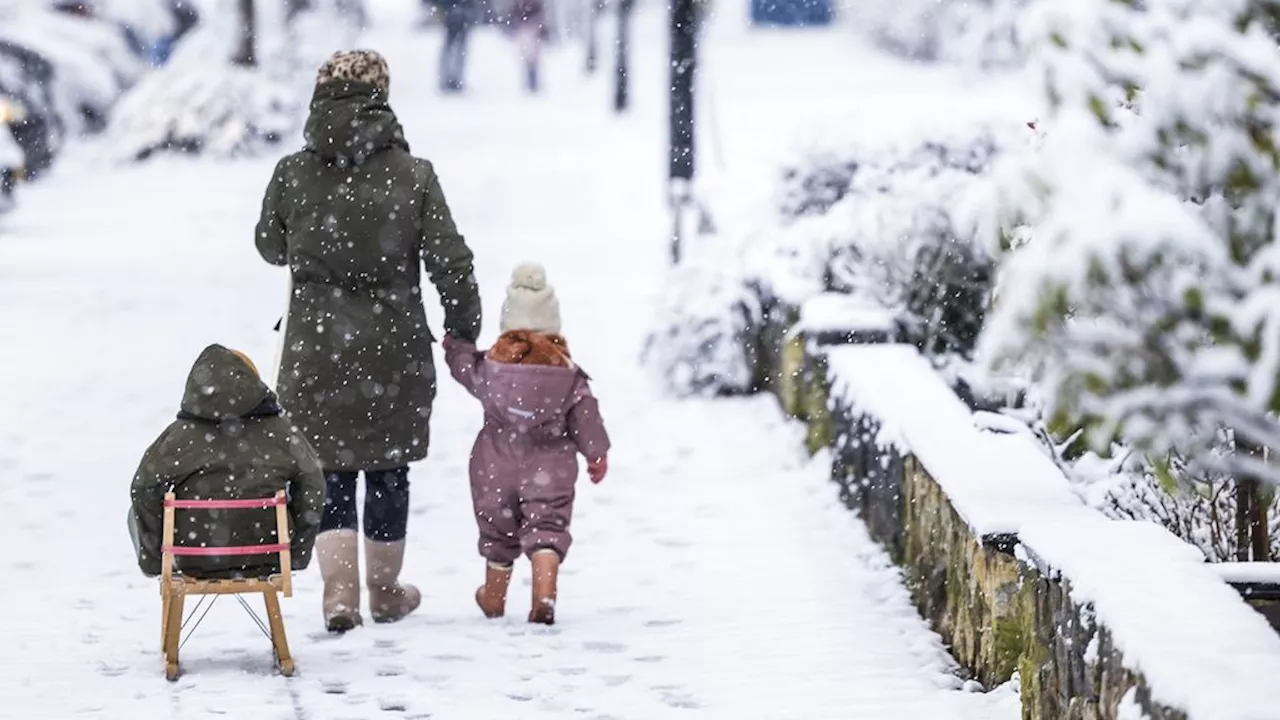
[998,614]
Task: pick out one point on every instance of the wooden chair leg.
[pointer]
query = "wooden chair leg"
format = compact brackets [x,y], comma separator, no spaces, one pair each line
[278,640]
[172,634]
[164,619]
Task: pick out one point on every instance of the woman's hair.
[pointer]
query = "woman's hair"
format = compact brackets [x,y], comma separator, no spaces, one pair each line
[525,347]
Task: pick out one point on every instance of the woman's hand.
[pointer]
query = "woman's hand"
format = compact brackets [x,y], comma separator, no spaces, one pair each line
[597,468]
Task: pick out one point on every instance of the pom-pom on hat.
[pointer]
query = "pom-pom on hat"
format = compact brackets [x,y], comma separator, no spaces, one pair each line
[531,303]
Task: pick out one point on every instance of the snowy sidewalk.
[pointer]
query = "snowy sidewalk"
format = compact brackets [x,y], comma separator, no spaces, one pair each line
[714,574]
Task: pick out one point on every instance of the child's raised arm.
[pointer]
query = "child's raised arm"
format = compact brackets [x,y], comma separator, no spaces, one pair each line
[462,358]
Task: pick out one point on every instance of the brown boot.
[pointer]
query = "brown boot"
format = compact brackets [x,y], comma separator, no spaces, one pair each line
[492,596]
[546,566]
[389,601]
[339,555]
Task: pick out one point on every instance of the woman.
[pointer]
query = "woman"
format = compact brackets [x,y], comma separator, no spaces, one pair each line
[353,215]
[527,22]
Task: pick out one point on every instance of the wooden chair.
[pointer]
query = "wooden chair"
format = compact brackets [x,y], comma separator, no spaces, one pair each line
[174,588]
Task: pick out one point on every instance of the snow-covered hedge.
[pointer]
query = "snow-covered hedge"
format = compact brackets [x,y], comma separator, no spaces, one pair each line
[704,343]
[979,32]
[873,221]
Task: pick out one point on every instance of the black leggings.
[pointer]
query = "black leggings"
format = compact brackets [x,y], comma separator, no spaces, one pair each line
[386,503]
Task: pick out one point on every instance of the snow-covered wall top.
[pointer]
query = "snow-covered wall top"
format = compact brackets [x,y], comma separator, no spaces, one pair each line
[997,482]
[1199,647]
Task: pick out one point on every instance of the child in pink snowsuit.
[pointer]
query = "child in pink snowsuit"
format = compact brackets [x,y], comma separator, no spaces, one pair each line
[539,413]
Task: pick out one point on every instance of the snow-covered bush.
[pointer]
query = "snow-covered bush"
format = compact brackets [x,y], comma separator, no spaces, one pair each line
[891,237]
[980,32]
[195,105]
[200,102]
[703,344]
[815,182]
[1146,303]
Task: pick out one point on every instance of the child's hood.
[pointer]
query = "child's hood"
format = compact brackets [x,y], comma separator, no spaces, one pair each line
[526,396]
[221,385]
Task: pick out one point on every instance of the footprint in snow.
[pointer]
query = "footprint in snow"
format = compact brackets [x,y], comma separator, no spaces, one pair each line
[661,623]
[392,705]
[676,697]
[389,671]
[604,647]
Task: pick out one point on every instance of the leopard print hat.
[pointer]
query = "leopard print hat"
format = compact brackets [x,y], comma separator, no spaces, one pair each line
[356,66]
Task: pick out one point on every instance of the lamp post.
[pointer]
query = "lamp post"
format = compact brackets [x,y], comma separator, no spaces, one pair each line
[681,156]
[594,7]
[621,89]
[246,52]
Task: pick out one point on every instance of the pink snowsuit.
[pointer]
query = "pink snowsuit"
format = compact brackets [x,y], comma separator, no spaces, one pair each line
[524,461]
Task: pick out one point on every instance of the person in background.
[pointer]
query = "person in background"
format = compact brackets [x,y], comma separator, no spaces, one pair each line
[527,22]
[458,17]
[185,18]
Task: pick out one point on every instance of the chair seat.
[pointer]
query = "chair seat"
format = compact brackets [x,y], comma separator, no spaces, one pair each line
[224,586]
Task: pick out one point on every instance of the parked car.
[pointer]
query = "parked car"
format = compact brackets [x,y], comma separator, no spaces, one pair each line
[12,161]
[66,65]
[93,62]
[26,78]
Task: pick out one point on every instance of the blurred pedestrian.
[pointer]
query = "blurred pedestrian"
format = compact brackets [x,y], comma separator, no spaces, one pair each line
[527,23]
[185,18]
[458,17]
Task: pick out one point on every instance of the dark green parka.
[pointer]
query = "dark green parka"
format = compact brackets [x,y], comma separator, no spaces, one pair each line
[355,216]
[230,441]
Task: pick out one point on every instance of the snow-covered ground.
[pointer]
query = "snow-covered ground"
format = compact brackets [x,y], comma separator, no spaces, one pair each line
[714,574]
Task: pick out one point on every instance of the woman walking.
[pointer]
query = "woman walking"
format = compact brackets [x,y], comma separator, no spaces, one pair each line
[353,215]
[527,22]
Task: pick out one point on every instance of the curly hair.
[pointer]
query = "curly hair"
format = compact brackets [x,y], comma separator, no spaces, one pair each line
[525,347]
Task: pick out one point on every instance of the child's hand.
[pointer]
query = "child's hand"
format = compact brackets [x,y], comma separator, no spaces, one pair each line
[597,468]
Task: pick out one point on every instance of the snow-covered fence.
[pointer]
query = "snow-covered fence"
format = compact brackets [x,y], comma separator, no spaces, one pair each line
[1097,617]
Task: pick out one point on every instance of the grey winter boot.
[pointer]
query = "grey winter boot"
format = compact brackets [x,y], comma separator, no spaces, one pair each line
[339,554]
[389,601]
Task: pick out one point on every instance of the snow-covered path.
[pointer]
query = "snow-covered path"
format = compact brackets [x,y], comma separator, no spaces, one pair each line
[714,576]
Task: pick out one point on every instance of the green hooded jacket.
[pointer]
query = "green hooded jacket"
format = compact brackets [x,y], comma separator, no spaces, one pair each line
[355,217]
[230,441]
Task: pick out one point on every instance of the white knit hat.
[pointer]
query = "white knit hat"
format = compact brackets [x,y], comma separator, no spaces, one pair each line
[531,303]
